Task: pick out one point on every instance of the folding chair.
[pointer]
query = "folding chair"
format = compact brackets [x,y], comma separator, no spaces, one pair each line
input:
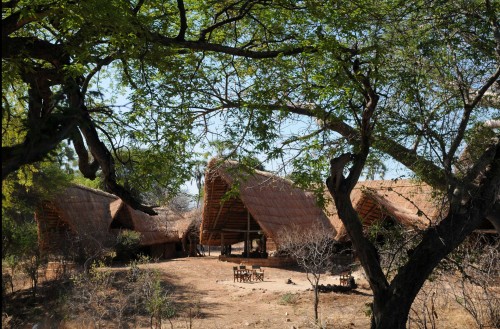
[246,275]
[236,274]
[257,273]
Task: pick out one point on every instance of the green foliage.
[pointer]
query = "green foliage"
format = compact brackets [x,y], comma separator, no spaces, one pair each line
[158,302]
[127,244]
[18,238]
[190,82]
[142,171]
[368,310]
[80,180]
[22,192]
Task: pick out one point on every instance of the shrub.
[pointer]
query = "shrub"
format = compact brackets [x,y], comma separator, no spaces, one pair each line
[127,244]
[289,299]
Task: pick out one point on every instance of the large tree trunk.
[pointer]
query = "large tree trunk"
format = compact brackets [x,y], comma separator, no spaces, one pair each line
[392,302]
[468,208]
[392,311]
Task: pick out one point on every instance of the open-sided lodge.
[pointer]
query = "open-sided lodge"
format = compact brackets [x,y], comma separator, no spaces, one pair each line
[256,211]
[82,220]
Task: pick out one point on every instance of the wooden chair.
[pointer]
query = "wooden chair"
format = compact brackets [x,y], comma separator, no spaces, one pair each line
[257,273]
[246,275]
[345,278]
[237,274]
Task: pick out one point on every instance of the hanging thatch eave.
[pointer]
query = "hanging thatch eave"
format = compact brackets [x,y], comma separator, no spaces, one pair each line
[86,211]
[265,202]
[78,216]
[154,229]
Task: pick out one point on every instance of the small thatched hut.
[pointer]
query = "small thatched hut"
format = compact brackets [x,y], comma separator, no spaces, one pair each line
[84,220]
[242,206]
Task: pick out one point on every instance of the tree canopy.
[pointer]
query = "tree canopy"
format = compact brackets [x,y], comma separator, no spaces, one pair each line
[327,88]
[56,54]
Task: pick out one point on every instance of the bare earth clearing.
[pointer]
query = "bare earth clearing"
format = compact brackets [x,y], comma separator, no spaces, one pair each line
[224,303]
[203,287]
[208,284]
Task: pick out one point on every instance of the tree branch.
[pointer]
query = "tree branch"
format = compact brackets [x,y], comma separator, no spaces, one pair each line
[87,168]
[247,6]
[182,15]
[207,46]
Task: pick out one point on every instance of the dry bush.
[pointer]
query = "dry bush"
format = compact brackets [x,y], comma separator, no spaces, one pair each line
[313,248]
[91,293]
[424,310]
[477,290]
[103,297]
[469,277]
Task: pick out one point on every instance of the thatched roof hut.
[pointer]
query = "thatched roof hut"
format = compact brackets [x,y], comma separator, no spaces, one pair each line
[191,236]
[413,204]
[93,217]
[257,202]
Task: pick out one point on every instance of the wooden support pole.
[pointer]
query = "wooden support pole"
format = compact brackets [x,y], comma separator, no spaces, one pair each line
[222,247]
[248,234]
[264,242]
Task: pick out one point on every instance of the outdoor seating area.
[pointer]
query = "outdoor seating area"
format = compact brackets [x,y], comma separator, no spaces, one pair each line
[243,274]
[345,278]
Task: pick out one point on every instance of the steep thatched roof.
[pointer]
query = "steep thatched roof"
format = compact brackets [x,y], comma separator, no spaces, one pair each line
[86,211]
[409,202]
[262,200]
[99,215]
[161,228]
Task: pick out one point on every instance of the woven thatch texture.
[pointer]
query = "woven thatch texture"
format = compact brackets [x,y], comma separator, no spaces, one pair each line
[54,234]
[87,212]
[272,202]
[410,203]
[96,216]
[162,228]
[191,224]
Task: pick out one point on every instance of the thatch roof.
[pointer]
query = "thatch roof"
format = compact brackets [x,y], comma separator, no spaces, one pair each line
[161,228]
[263,200]
[192,223]
[411,203]
[98,215]
[86,211]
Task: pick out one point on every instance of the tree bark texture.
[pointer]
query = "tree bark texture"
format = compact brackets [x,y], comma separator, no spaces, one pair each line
[392,301]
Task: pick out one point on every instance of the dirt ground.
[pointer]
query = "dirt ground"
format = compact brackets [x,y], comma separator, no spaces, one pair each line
[204,288]
[223,303]
[208,284]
